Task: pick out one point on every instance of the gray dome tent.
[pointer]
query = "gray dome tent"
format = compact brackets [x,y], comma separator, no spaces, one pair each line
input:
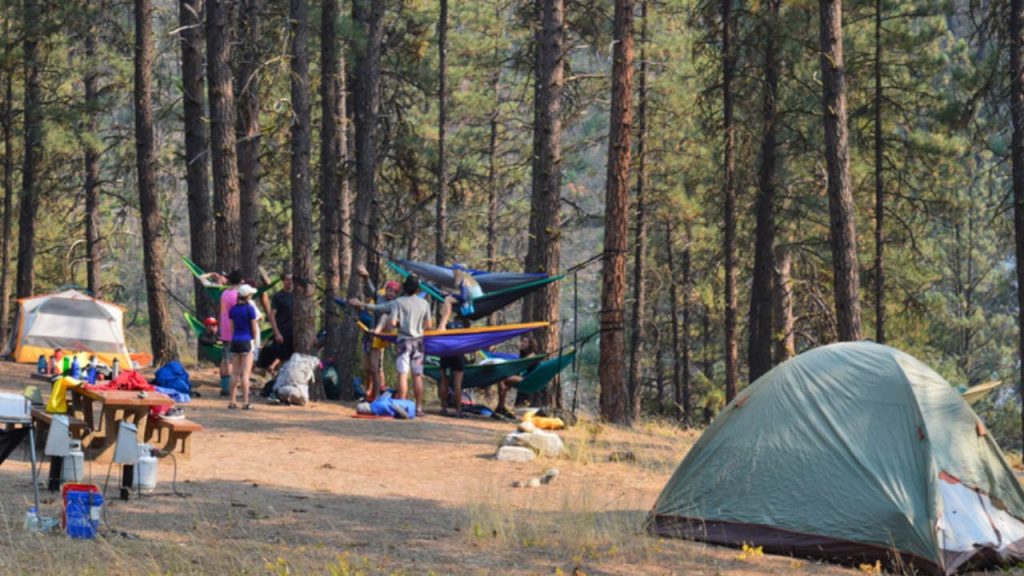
[853,452]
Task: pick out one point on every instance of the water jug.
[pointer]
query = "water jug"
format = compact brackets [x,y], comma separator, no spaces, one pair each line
[76,369]
[41,366]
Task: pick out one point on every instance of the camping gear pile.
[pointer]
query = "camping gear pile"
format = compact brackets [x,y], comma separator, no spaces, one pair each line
[854,452]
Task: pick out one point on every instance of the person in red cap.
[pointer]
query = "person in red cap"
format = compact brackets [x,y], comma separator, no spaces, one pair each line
[210,337]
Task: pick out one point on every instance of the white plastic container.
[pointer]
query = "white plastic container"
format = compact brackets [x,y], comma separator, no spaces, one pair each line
[74,464]
[145,470]
[14,406]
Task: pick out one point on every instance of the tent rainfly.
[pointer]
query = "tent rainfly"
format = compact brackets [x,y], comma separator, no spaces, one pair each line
[72,321]
[853,452]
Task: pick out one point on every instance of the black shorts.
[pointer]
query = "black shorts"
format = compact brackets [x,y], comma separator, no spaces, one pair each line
[241,346]
[456,363]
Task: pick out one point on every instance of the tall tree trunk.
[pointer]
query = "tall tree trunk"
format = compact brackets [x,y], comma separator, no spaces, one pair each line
[441,229]
[544,249]
[302,199]
[247,90]
[153,249]
[92,164]
[729,194]
[367,16]
[492,181]
[5,254]
[344,220]
[226,195]
[330,175]
[837,155]
[200,219]
[673,316]
[782,302]
[683,352]
[759,349]
[615,391]
[32,152]
[636,344]
[879,185]
[1017,161]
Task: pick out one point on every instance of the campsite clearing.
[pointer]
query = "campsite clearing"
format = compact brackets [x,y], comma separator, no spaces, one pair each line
[313,490]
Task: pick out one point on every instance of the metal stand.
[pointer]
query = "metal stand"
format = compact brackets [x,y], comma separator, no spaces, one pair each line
[27,421]
[127,474]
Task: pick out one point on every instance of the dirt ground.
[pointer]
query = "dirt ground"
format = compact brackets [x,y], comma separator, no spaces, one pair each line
[312,490]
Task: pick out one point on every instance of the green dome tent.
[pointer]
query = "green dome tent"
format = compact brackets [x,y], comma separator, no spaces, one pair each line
[853,452]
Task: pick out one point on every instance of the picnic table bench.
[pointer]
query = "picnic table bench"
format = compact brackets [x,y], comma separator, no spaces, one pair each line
[115,406]
[172,435]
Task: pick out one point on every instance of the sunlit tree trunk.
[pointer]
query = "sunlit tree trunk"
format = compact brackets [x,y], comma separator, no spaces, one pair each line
[247,133]
[441,229]
[837,156]
[729,201]
[636,344]
[615,392]
[330,175]
[302,199]
[226,195]
[153,248]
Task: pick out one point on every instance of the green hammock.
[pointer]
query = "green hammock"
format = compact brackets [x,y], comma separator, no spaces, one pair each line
[483,375]
[215,352]
[538,379]
[215,291]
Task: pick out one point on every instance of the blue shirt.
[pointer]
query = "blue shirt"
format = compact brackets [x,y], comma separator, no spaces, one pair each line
[242,315]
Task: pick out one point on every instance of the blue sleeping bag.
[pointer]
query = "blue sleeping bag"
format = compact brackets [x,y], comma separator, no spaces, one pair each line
[384,405]
[173,376]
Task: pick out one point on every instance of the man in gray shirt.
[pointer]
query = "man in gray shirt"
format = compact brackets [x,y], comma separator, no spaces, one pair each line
[410,314]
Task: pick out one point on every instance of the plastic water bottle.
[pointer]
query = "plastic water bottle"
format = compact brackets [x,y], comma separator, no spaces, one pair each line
[31,520]
[41,366]
[115,369]
[76,369]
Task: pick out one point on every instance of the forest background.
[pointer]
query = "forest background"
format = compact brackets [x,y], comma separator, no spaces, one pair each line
[479,132]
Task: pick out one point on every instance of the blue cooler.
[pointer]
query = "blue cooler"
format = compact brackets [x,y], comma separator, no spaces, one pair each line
[83,507]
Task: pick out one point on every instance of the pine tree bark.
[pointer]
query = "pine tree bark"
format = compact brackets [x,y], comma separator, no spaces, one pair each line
[92,164]
[673,315]
[8,222]
[544,249]
[837,155]
[879,185]
[153,249]
[729,197]
[759,348]
[492,180]
[226,195]
[636,344]
[32,152]
[330,175]
[441,230]
[1017,161]
[367,16]
[615,390]
[683,352]
[302,199]
[200,219]
[782,303]
[247,134]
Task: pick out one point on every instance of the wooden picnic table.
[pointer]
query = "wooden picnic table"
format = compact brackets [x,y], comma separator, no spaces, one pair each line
[115,406]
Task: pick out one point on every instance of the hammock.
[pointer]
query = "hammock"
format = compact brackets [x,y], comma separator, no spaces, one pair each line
[483,375]
[538,379]
[464,340]
[214,290]
[444,276]
[490,302]
[215,352]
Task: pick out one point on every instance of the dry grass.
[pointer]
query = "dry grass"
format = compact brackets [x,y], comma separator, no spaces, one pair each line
[313,491]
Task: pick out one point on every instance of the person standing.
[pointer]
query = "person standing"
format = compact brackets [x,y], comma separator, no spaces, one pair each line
[410,315]
[281,313]
[228,299]
[244,329]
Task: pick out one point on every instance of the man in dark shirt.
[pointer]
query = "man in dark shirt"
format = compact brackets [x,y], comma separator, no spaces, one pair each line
[282,307]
